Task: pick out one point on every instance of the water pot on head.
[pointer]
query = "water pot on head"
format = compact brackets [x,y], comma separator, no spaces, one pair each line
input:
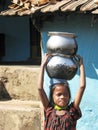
[63,48]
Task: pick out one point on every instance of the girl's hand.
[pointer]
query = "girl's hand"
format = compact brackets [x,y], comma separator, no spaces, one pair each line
[80,59]
[45,61]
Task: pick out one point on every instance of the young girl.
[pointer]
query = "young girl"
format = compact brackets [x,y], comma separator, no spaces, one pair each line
[60,114]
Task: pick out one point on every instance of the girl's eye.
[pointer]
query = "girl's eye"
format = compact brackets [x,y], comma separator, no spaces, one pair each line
[65,95]
[59,94]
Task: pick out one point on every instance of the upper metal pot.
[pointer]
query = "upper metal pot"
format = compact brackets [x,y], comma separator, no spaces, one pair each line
[62,43]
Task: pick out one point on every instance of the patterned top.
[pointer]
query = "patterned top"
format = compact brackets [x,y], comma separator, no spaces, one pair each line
[62,122]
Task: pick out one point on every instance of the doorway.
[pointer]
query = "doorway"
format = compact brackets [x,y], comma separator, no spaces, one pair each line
[35,48]
[2,46]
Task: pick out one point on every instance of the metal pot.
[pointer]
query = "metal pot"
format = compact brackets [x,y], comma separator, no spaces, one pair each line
[62,43]
[62,67]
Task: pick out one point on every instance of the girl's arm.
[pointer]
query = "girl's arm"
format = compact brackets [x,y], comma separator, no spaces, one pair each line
[82,84]
[42,93]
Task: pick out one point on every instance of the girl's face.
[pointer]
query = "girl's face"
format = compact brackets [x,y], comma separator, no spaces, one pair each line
[61,95]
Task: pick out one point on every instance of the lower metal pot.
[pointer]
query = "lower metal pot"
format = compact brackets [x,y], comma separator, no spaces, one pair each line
[62,67]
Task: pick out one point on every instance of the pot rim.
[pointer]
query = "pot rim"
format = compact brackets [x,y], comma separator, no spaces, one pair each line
[70,35]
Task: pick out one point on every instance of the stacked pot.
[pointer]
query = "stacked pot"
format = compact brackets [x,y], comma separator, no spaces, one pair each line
[63,64]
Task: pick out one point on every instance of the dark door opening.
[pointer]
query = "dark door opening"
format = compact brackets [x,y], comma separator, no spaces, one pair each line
[2,46]
[35,48]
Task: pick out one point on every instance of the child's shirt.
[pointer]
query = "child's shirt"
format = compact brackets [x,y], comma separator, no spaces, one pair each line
[62,122]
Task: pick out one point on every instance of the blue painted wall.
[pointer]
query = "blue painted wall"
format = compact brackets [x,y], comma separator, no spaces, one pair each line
[82,26]
[17,37]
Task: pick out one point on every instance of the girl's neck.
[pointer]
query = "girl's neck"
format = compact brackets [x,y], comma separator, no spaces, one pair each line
[56,107]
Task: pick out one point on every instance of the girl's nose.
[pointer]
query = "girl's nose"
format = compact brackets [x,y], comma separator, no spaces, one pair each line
[62,96]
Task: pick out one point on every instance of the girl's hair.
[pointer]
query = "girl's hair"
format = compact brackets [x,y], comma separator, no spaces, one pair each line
[53,88]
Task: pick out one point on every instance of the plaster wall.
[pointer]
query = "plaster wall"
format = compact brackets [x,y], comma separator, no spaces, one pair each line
[17,37]
[86,30]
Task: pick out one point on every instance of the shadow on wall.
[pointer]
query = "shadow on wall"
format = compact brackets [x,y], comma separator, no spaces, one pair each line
[91,63]
[89,52]
[4,95]
[93,70]
[91,66]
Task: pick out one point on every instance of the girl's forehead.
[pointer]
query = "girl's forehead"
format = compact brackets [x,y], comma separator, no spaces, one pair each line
[60,88]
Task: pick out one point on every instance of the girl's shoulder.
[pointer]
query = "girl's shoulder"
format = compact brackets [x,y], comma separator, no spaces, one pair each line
[50,109]
[71,106]
[76,113]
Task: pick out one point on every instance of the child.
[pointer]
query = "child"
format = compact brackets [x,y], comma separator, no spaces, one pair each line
[60,114]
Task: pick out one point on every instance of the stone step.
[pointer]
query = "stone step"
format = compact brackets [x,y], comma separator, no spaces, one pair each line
[20,115]
[19,82]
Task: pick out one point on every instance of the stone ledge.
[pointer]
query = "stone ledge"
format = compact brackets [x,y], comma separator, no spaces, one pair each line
[20,115]
[21,105]
[20,82]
